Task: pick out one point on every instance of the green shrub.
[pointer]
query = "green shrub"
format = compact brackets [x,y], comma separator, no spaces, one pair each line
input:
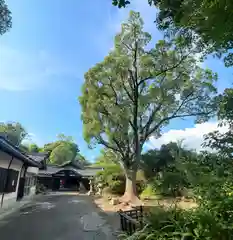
[111,177]
[117,187]
[40,188]
[180,224]
[148,192]
[212,185]
[140,186]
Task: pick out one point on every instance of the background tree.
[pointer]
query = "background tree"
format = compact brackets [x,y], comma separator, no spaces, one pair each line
[107,156]
[135,92]
[208,23]
[211,21]
[61,154]
[33,148]
[62,150]
[218,140]
[5,17]
[30,148]
[154,160]
[14,132]
[81,159]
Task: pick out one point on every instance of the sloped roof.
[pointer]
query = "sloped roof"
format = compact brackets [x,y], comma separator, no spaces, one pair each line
[38,157]
[88,172]
[75,164]
[8,147]
[53,169]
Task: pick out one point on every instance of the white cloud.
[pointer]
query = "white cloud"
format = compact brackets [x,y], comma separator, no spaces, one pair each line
[193,137]
[20,70]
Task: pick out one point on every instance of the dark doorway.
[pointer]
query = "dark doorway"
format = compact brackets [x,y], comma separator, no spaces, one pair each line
[66,180]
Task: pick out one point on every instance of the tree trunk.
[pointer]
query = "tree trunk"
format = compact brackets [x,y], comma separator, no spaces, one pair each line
[130,195]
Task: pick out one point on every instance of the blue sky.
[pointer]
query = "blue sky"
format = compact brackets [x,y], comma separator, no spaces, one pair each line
[46,53]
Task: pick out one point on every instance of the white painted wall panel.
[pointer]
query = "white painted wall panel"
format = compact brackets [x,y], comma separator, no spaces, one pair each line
[10,198]
[33,170]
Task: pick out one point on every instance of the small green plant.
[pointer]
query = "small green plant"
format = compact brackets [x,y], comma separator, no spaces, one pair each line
[211,179]
[40,188]
[148,193]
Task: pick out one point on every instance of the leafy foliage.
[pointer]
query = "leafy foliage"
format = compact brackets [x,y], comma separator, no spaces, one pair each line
[5,17]
[223,141]
[209,20]
[14,132]
[135,92]
[81,159]
[210,177]
[148,192]
[107,156]
[208,24]
[155,160]
[112,178]
[61,151]
[33,148]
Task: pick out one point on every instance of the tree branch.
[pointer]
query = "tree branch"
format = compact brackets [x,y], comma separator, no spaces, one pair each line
[151,118]
[129,48]
[114,92]
[174,115]
[163,71]
[127,92]
[105,143]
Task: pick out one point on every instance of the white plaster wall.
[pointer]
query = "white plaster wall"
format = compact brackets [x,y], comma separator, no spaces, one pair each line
[10,198]
[32,191]
[5,160]
[33,170]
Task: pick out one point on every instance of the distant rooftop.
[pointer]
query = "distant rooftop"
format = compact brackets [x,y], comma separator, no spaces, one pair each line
[53,169]
[38,157]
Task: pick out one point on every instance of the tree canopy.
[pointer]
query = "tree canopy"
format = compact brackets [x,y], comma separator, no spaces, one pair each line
[210,21]
[5,17]
[62,150]
[81,159]
[219,140]
[135,92]
[61,154]
[14,132]
[30,148]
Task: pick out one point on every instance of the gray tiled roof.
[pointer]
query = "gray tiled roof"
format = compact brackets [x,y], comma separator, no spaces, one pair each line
[89,172]
[38,157]
[50,170]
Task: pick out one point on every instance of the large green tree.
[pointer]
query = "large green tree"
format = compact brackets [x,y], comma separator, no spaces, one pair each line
[62,150]
[5,17]
[61,154]
[14,132]
[135,92]
[207,22]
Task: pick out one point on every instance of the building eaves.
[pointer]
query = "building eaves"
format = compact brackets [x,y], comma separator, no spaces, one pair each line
[14,151]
